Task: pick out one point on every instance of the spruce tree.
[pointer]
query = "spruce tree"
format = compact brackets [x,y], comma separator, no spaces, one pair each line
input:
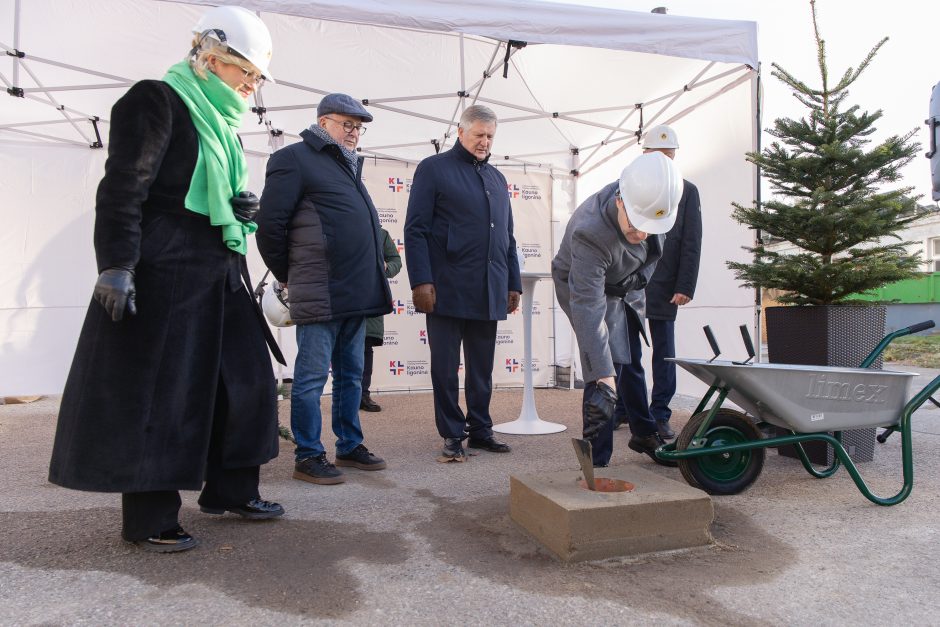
[830,197]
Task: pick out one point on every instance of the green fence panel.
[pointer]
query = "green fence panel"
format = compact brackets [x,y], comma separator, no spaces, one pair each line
[923,290]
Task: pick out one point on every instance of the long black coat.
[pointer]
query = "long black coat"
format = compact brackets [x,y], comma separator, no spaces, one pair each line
[677,271]
[142,394]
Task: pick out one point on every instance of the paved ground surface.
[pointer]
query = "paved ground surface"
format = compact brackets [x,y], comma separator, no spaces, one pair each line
[430,544]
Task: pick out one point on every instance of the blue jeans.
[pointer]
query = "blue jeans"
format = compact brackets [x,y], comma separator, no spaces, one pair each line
[342,343]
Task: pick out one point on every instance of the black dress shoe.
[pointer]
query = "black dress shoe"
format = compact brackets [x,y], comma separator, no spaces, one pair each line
[170,541]
[665,431]
[648,445]
[255,509]
[490,444]
[367,404]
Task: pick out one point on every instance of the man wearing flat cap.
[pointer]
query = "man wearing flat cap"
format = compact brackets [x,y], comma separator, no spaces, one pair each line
[319,233]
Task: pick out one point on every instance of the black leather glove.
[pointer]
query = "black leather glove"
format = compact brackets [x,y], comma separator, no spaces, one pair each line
[598,409]
[115,291]
[635,281]
[245,206]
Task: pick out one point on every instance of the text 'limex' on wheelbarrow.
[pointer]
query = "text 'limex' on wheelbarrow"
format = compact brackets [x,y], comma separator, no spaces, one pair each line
[721,450]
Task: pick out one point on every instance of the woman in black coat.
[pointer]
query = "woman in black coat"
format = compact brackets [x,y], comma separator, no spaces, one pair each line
[171,384]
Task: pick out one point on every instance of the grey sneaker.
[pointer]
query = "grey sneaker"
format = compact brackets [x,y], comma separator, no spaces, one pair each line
[318,470]
[452,451]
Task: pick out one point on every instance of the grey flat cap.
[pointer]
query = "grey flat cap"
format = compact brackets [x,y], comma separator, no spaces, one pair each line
[344,105]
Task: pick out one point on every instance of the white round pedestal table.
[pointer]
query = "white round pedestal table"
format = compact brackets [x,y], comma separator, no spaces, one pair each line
[528,422]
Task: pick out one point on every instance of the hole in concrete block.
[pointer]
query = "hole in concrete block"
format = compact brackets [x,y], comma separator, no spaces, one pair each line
[603,484]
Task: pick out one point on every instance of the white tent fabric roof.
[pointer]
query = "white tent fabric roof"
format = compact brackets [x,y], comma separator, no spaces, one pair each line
[572,89]
[540,22]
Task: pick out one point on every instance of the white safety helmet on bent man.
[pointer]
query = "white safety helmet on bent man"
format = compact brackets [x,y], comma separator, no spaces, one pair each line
[275,303]
[242,31]
[650,188]
[660,136]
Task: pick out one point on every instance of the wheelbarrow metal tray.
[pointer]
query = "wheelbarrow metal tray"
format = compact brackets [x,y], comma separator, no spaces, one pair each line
[809,399]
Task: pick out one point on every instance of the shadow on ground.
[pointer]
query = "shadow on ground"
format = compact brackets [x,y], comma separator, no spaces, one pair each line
[482,538]
[283,565]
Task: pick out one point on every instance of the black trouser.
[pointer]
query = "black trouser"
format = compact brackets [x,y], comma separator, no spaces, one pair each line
[445,335]
[368,358]
[149,513]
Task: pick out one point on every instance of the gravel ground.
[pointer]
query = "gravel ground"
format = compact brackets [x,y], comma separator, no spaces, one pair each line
[423,543]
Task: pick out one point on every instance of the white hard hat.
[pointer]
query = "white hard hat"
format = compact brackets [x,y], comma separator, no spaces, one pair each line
[242,31]
[276,305]
[650,188]
[660,136]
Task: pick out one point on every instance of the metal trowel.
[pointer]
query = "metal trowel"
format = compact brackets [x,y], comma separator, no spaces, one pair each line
[582,448]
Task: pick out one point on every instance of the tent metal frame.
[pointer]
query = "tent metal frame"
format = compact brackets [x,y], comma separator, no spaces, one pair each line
[590,156]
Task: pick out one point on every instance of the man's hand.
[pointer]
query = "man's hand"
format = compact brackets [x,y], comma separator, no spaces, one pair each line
[512,302]
[245,206]
[115,291]
[424,297]
[679,299]
[599,409]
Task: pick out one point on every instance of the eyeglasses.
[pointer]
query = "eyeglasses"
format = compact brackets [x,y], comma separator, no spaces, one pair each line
[349,127]
[251,78]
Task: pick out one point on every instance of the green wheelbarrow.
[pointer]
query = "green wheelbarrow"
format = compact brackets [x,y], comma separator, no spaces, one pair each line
[721,450]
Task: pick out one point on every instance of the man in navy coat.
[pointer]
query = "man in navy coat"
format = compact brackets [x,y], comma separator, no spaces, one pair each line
[461,258]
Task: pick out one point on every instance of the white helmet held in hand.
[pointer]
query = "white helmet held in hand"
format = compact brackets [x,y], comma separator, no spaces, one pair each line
[276,305]
[660,136]
[242,31]
[650,188]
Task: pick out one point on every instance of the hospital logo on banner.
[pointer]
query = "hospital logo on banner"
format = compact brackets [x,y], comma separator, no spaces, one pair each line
[398,185]
[398,307]
[513,190]
[400,245]
[416,367]
[504,336]
[512,365]
[531,251]
[535,365]
[411,311]
[531,192]
[387,216]
[390,338]
[423,336]
[396,367]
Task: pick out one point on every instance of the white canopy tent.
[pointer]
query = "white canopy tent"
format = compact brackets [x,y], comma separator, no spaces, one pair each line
[574,88]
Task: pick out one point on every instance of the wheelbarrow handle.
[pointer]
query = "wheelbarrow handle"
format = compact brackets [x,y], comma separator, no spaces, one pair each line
[914,328]
[920,326]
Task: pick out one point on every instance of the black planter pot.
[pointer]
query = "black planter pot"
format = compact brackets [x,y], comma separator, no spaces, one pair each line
[827,336]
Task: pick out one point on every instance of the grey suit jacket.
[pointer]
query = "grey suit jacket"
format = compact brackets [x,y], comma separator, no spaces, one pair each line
[599,279]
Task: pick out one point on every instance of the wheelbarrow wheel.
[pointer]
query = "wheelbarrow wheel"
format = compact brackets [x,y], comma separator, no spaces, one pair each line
[725,473]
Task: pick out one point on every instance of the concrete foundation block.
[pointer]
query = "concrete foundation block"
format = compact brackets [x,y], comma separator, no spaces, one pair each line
[577,524]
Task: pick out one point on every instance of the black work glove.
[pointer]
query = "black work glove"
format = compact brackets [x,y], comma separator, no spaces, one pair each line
[245,206]
[598,409]
[115,291]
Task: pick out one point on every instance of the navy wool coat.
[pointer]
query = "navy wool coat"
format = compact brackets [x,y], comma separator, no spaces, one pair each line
[677,271]
[458,236]
[319,232]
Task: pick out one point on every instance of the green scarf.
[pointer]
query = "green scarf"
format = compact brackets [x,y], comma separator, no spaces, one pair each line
[221,172]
